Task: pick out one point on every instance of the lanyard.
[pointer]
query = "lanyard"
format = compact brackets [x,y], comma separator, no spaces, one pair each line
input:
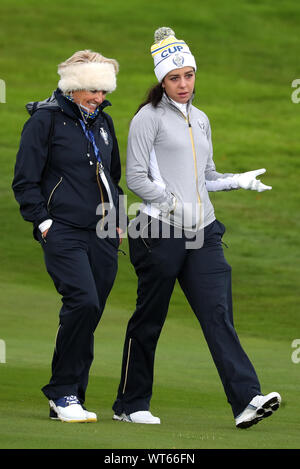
[90,136]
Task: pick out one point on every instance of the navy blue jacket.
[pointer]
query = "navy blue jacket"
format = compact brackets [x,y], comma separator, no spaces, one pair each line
[55,172]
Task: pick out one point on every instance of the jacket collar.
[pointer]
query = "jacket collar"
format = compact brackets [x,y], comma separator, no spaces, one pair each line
[58,101]
[70,108]
[165,100]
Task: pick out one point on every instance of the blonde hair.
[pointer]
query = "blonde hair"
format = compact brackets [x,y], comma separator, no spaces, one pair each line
[88,56]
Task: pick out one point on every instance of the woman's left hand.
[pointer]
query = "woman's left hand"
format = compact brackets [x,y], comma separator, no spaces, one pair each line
[248,181]
[120,231]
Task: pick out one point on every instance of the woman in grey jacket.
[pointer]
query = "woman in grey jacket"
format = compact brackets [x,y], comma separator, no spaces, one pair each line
[176,236]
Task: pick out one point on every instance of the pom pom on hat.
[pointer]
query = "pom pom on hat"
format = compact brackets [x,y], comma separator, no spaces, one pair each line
[170,53]
[161,34]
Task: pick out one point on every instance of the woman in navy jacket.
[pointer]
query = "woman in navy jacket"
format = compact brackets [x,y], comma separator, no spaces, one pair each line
[66,183]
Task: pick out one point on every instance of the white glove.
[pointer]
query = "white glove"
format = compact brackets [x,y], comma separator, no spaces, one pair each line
[45,225]
[248,181]
[169,206]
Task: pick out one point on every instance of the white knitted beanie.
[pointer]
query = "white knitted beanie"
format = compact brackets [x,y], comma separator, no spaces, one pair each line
[170,53]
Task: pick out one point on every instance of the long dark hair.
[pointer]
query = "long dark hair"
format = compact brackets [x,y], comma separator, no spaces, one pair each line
[154,96]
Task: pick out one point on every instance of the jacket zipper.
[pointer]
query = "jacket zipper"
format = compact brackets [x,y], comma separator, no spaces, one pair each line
[52,192]
[187,120]
[98,169]
[195,166]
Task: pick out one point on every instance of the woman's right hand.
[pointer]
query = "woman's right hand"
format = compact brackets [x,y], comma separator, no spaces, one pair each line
[45,224]
[44,234]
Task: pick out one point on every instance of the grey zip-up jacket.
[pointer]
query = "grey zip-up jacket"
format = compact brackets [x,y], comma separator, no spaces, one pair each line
[171,154]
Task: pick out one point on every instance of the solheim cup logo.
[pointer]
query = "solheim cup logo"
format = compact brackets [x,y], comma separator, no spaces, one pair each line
[2,91]
[178,60]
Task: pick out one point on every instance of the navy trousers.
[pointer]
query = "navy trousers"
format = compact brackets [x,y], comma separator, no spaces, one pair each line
[205,278]
[83,269]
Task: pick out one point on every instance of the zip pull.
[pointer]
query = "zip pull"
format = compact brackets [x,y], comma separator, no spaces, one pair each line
[100,168]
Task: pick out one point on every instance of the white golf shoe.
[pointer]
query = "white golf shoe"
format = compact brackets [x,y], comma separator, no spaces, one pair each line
[69,409]
[258,408]
[142,416]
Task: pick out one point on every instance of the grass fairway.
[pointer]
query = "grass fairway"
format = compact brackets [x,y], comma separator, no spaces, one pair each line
[188,396]
[248,55]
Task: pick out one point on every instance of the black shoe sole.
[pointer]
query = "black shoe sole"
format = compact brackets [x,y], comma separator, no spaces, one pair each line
[263,412]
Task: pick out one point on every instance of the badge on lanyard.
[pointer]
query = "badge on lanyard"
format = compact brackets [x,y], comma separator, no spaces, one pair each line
[104,135]
[100,168]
